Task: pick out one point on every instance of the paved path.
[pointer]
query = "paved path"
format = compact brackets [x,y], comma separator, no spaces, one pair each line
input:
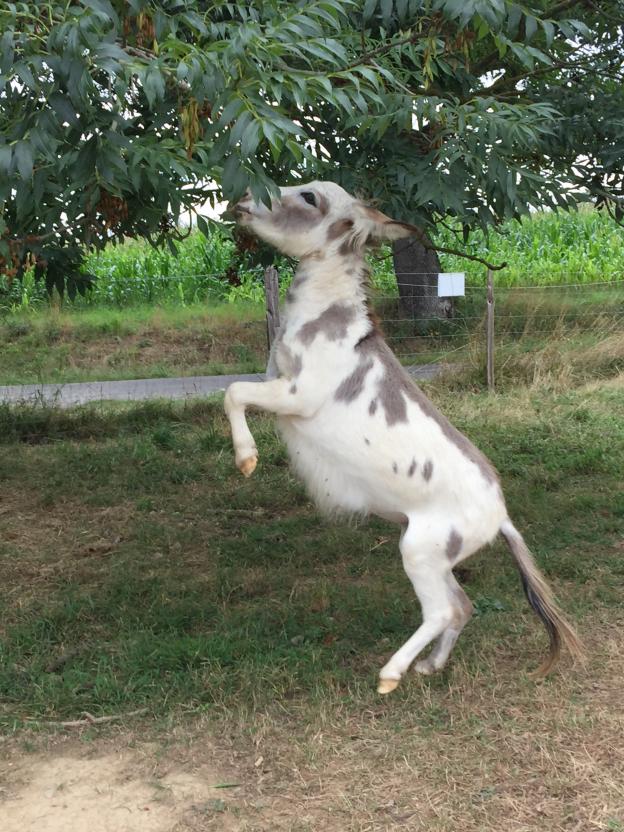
[187,387]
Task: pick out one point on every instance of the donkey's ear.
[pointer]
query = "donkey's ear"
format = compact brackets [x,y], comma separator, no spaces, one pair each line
[385,228]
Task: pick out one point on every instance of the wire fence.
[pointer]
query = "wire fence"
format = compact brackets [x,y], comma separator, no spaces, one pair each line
[518,321]
[423,329]
[524,321]
[521,320]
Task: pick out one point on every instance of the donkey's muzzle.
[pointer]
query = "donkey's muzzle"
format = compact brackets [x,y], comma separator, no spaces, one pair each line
[237,210]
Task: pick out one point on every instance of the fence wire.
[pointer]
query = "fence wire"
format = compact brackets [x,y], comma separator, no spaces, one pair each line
[529,314]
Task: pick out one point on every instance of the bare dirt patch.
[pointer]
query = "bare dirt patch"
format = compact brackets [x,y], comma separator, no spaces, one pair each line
[106,790]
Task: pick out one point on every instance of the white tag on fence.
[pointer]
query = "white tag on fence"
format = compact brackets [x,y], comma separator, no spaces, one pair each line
[451,284]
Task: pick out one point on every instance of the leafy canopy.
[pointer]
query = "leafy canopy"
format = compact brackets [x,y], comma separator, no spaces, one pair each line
[115,115]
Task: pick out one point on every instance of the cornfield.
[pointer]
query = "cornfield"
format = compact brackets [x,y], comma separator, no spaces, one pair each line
[544,249]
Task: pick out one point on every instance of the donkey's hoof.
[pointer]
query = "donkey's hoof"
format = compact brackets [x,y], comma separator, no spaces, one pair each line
[425,666]
[387,685]
[248,466]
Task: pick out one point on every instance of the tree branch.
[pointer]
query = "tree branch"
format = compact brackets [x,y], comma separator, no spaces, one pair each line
[605,194]
[89,719]
[378,52]
[506,84]
[424,242]
[463,254]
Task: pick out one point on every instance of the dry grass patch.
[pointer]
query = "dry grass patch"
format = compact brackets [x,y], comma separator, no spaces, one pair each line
[48,545]
[478,753]
[566,360]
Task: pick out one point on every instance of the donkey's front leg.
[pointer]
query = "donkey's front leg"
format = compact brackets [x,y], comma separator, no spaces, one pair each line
[279,396]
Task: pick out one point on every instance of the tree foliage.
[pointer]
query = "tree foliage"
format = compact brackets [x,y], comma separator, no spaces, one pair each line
[116,115]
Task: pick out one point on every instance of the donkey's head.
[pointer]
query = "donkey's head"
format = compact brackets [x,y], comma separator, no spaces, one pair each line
[320,218]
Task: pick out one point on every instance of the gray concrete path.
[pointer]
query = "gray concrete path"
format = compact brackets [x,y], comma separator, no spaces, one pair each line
[187,387]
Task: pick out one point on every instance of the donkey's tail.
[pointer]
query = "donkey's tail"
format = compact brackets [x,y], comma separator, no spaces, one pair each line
[540,597]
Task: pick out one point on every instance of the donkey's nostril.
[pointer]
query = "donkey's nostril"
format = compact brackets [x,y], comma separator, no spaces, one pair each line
[239,209]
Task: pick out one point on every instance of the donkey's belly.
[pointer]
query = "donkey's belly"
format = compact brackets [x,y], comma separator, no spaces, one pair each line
[341,478]
[360,466]
[333,486]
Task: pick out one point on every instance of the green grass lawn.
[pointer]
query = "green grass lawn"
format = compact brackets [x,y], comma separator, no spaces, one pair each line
[130,542]
[139,570]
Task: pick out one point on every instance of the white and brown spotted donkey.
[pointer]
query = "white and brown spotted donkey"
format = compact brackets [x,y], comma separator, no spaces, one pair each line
[362,435]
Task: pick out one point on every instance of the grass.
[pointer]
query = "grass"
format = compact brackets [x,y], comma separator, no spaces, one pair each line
[137,569]
[141,342]
[129,538]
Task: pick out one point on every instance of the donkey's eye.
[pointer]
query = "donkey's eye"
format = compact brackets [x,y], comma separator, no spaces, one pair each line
[309,197]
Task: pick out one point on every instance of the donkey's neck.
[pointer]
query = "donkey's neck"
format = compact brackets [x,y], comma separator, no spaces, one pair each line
[320,282]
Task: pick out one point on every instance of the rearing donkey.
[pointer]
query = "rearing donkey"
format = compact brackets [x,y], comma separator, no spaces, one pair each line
[362,435]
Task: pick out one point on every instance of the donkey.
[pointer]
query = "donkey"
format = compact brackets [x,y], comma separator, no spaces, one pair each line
[360,432]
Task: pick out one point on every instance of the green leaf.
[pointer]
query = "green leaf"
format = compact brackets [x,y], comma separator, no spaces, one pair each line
[153,86]
[295,151]
[194,20]
[530,26]
[523,56]
[402,9]
[326,14]
[39,183]
[63,108]
[250,140]
[110,50]
[230,111]
[581,28]
[239,127]
[270,132]
[549,31]
[6,156]
[343,101]
[317,50]
[370,75]
[537,53]
[24,159]
[24,73]
[6,51]
[386,7]
[103,8]
[369,9]
[203,226]
[513,19]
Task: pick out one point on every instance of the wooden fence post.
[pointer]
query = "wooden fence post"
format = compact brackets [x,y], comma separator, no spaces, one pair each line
[490,331]
[271,295]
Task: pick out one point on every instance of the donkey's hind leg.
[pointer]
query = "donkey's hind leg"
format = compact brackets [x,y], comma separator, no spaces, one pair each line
[428,569]
[462,612]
